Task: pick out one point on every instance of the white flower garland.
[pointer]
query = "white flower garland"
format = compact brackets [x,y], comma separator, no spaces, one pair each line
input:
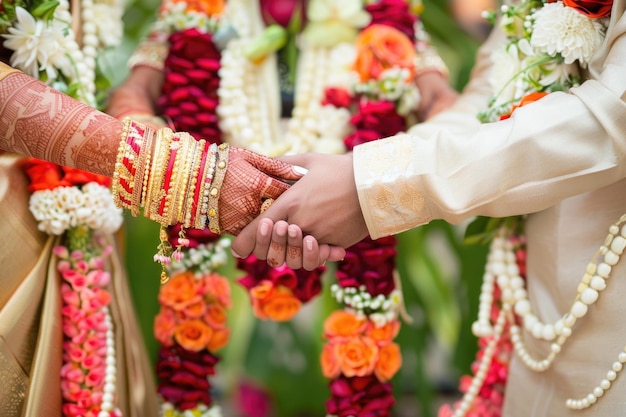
[62,208]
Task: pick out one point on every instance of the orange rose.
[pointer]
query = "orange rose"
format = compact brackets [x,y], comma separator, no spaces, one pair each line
[262,290]
[593,9]
[381,47]
[217,290]
[180,291]
[195,309]
[342,323]
[193,335]
[357,356]
[215,316]
[385,334]
[329,362]
[279,304]
[527,99]
[208,7]
[389,361]
[219,339]
[164,325]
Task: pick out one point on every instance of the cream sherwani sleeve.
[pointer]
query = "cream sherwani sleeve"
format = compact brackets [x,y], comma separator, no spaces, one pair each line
[453,167]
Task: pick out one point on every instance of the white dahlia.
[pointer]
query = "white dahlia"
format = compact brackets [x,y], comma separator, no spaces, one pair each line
[559,29]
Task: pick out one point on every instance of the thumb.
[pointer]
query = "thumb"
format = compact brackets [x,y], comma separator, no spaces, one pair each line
[244,243]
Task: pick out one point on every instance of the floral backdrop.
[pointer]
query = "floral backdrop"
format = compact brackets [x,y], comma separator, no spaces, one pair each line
[258,366]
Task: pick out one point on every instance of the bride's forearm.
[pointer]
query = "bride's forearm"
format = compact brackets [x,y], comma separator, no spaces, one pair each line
[38,121]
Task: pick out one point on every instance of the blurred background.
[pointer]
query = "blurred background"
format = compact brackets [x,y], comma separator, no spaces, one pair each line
[274,367]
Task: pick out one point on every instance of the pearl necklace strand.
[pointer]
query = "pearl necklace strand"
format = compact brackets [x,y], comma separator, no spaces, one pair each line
[84,60]
[110,375]
[246,123]
[501,269]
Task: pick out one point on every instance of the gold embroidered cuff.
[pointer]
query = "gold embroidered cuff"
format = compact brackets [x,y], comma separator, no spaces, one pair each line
[149,53]
[429,60]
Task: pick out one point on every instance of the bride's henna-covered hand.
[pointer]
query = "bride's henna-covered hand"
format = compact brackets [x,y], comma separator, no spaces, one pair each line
[251,179]
[38,121]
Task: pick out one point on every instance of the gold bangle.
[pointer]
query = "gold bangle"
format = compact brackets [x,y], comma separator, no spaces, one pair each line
[140,165]
[203,203]
[193,183]
[124,165]
[156,193]
[214,193]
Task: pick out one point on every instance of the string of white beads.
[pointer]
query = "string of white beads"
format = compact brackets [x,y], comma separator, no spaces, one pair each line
[110,375]
[604,385]
[502,270]
[483,368]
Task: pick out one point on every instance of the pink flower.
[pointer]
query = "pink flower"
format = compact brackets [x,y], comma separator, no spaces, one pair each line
[61,252]
[92,361]
[252,400]
[95,377]
[69,296]
[72,373]
[75,278]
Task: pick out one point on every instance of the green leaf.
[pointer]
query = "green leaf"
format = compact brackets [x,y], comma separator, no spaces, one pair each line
[45,10]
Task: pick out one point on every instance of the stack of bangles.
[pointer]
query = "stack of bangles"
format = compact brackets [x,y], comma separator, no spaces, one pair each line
[172,176]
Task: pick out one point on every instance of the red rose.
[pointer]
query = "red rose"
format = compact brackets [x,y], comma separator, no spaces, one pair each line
[183,376]
[360,396]
[43,175]
[80,177]
[370,263]
[380,116]
[591,8]
[338,97]
[303,284]
[195,236]
[394,13]
[282,12]
[189,92]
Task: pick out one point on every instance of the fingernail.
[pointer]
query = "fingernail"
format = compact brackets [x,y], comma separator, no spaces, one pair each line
[292,231]
[235,254]
[309,244]
[300,170]
[264,228]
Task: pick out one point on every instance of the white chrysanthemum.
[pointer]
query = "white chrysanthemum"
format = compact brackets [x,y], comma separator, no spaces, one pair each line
[559,29]
[59,209]
[506,64]
[31,42]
